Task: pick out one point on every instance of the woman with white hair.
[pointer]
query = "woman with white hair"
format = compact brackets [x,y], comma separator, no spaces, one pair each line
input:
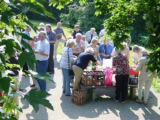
[137,53]
[145,78]
[95,47]
[66,63]
[125,51]
[80,64]
[121,65]
[91,34]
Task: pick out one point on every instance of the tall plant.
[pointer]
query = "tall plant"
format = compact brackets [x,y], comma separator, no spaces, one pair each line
[11,26]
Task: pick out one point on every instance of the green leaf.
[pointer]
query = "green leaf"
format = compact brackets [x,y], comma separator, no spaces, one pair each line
[18,108]
[24,36]
[41,76]
[2,58]
[5,84]
[16,94]
[10,45]
[27,57]
[38,97]
[26,46]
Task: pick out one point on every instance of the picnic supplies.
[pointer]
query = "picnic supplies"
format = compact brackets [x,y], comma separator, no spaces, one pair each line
[108,76]
[133,80]
[107,63]
[132,72]
[87,78]
[79,97]
[114,79]
[98,78]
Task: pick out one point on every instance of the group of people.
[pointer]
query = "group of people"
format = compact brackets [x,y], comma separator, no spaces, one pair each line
[79,50]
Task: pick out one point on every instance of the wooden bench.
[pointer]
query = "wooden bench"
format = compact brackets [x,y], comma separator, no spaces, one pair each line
[92,90]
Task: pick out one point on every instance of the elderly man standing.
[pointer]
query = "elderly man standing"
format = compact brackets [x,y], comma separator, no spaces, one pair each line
[59,32]
[41,51]
[91,34]
[80,45]
[52,39]
[105,50]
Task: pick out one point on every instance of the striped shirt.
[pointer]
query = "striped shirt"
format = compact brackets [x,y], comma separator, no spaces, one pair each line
[64,58]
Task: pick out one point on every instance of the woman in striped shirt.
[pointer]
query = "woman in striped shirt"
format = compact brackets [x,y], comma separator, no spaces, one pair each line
[65,63]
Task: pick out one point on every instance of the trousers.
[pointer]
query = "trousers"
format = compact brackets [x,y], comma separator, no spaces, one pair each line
[148,84]
[41,67]
[51,60]
[56,46]
[121,87]
[78,75]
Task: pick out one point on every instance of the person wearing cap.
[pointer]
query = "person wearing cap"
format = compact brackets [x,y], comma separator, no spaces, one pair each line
[42,52]
[102,33]
[76,30]
[59,32]
[90,34]
[105,50]
[145,78]
[125,51]
[137,53]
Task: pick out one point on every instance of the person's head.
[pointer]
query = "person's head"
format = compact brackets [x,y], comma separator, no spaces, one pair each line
[78,37]
[59,24]
[124,45]
[106,40]
[92,30]
[28,28]
[70,43]
[145,53]
[69,37]
[83,37]
[94,42]
[48,27]
[42,35]
[76,27]
[41,25]
[89,50]
[136,49]
[117,50]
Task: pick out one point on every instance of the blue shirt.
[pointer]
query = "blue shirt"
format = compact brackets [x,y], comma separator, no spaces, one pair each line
[27,33]
[109,49]
[83,60]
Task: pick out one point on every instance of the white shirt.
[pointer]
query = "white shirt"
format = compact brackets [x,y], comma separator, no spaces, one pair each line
[102,32]
[137,56]
[85,44]
[43,47]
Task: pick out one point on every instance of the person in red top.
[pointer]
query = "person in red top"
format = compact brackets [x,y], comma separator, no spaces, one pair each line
[121,65]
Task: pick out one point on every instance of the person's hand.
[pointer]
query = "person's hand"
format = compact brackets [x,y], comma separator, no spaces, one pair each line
[36,52]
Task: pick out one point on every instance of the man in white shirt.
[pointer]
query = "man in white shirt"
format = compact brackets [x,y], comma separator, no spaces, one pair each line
[79,47]
[85,42]
[102,33]
[42,50]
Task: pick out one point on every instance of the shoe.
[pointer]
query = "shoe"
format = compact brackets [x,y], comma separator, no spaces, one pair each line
[33,85]
[116,100]
[145,102]
[139,101]
[71,86]
[68,95]
[51,72]
[124,101]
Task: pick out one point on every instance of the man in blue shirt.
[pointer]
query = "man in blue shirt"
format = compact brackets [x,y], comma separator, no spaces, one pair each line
[105,50]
